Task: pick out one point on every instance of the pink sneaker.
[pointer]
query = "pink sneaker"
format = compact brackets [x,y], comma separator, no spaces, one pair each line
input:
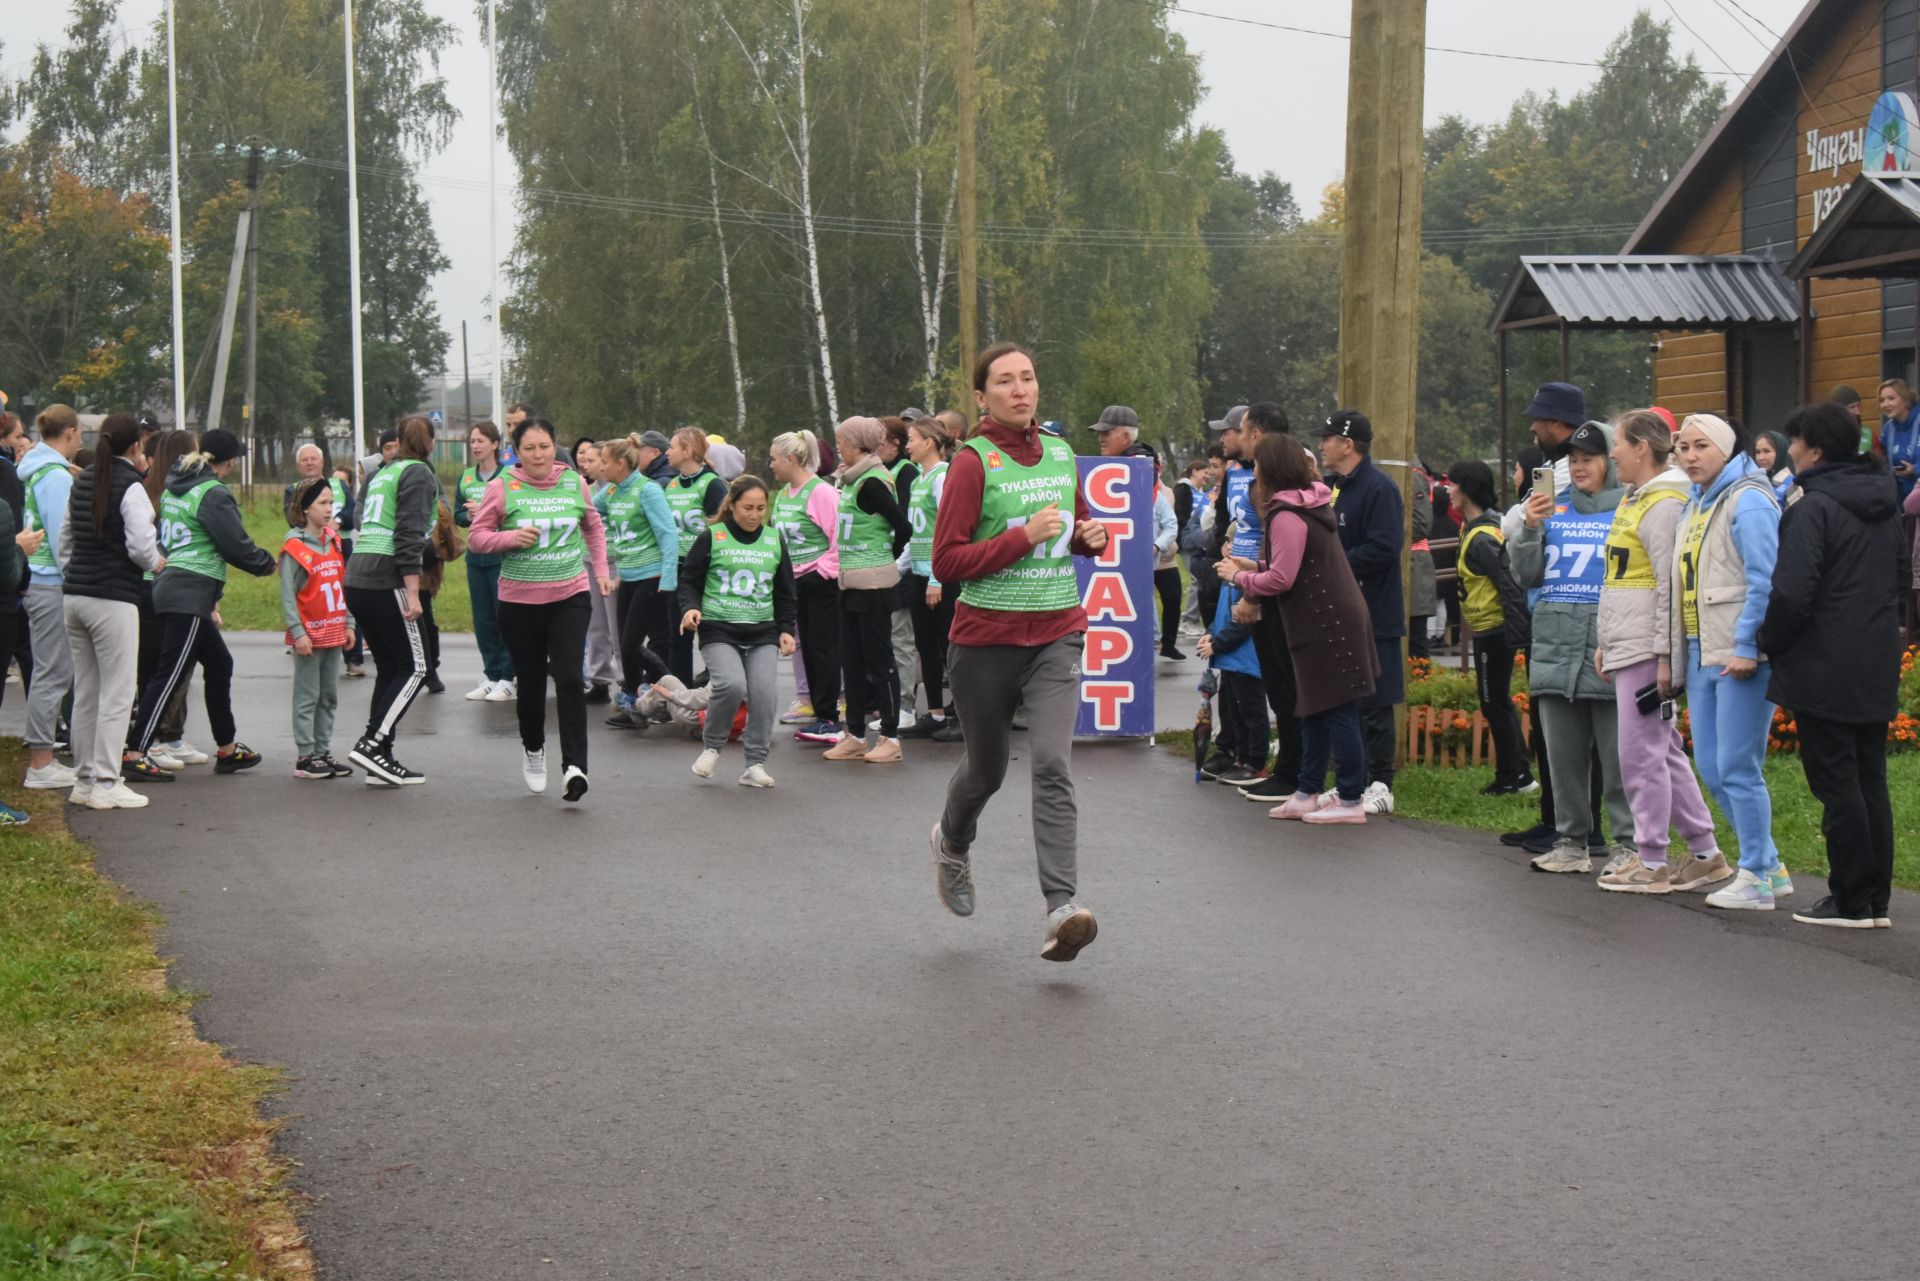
[1295,806]
[1339,812]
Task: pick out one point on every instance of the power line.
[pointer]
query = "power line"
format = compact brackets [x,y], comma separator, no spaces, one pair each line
[1433,48]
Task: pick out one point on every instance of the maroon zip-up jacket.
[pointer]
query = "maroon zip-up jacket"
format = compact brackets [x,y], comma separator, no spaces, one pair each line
[958,559]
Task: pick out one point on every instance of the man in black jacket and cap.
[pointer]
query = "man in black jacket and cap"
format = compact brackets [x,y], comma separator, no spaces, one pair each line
[1832,631]
[1373,529]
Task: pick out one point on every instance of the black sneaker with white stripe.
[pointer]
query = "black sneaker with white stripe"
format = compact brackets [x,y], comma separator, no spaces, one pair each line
[382,768]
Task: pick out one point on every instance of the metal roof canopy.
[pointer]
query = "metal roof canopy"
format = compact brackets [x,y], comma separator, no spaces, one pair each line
[1873,233]
[1645,291]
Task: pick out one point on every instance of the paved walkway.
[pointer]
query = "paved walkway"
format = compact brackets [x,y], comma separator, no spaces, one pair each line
[686,1029]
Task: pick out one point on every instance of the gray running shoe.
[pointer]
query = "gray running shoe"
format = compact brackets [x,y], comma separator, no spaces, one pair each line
[952,876]
[1565,856]
[1070,927]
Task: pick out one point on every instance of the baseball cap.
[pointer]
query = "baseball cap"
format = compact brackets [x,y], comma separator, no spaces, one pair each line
[221,445]
[654,440]
[1116,416]
[1231,422]
[1589,438]
[911,414]
[1350,424]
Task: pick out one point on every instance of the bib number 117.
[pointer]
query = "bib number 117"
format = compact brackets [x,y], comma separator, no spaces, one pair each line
[1045,551]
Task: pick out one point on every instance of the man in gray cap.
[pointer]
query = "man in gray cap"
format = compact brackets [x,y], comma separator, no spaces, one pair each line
[653,457]
[1117,429]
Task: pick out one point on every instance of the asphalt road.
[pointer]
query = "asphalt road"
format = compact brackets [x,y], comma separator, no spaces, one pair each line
[690,1030]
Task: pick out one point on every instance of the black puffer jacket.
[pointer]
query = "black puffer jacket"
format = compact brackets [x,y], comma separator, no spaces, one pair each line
[1832,628]
[102,567]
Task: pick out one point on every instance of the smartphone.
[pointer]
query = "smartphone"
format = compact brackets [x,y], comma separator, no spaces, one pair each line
[1543,481]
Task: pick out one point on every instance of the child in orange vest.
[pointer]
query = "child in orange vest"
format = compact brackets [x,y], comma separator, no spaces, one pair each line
[313,601]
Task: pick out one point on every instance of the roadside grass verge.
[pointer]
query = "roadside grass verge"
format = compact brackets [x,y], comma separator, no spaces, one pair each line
[1452,796]
[128,1146]
[253,604]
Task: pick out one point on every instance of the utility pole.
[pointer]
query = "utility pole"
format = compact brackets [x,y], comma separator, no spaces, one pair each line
[466,375]
[1380,241]
[969,198]
[256,161]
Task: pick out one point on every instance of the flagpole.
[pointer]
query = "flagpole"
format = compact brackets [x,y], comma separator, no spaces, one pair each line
[493,206]
[173,217]
[361,439]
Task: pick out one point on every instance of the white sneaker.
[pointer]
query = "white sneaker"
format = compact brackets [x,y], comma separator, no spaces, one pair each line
[1748,891]
[480,691]
[1565,857]
[534,770]
[501,692]
[82,791]
[703,764]
[117,797]
[756,776]
[181,750]
[1377,799]
[51,777]
[166,761]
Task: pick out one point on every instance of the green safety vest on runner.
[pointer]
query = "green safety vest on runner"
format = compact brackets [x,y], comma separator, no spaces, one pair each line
[740,577]
[866,540]
[688,503]
[1043,580]
[43,557]
[806,541]
[630,537]
[561,553]
[383,509]
[922,512]
[184,541]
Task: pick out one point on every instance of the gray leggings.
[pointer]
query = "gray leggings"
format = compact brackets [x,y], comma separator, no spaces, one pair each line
[736,672]
[988,683]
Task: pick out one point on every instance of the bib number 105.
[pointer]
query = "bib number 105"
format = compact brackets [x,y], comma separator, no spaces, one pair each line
[747,584]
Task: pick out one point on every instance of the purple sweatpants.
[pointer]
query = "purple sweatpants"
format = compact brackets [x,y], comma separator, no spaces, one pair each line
[1656,774]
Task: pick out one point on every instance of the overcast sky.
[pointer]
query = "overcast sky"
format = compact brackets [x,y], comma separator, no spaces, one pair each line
[1278,96]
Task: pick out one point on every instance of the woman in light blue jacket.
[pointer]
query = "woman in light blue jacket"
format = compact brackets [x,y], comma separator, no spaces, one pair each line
[1729,538]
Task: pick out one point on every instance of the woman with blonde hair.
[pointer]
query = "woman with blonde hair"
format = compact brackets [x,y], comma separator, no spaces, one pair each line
[929,445]
[806,510]
[873,533]
[46,472]
[694,496]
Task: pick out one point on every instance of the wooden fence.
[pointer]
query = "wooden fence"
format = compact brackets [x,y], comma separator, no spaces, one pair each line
[1436,737]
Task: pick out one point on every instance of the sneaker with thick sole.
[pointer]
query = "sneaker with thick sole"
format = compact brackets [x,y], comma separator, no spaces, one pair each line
[756,776]
[703,764]
[115,796]
[1564,857]
[240,758]
[848,748]
[171,764]
[339,769]
[1827,912]
[1267,790]
[1779,881]
[1241,776]
[502,692]
[533,770]
[181,750]
[79,793]
[1217,764]
[1635,877]
[51,777]
[1377,799]
[884,752]
[143,769]
[1698,875]
[574,783]
[1749,892]
[368,755]
[480,691]
[1070,928]
[799,712]
[952,877]
[312,767]
[1618,856]
[1338,812]
[818,732]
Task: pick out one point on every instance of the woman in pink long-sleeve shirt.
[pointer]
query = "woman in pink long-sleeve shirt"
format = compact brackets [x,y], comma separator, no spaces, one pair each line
[539,518]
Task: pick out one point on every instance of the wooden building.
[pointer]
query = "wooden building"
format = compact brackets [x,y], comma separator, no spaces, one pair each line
[1751,318]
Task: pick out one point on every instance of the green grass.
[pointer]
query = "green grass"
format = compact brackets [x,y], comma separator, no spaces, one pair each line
[121,1134]
[1452,796]
[253,604]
